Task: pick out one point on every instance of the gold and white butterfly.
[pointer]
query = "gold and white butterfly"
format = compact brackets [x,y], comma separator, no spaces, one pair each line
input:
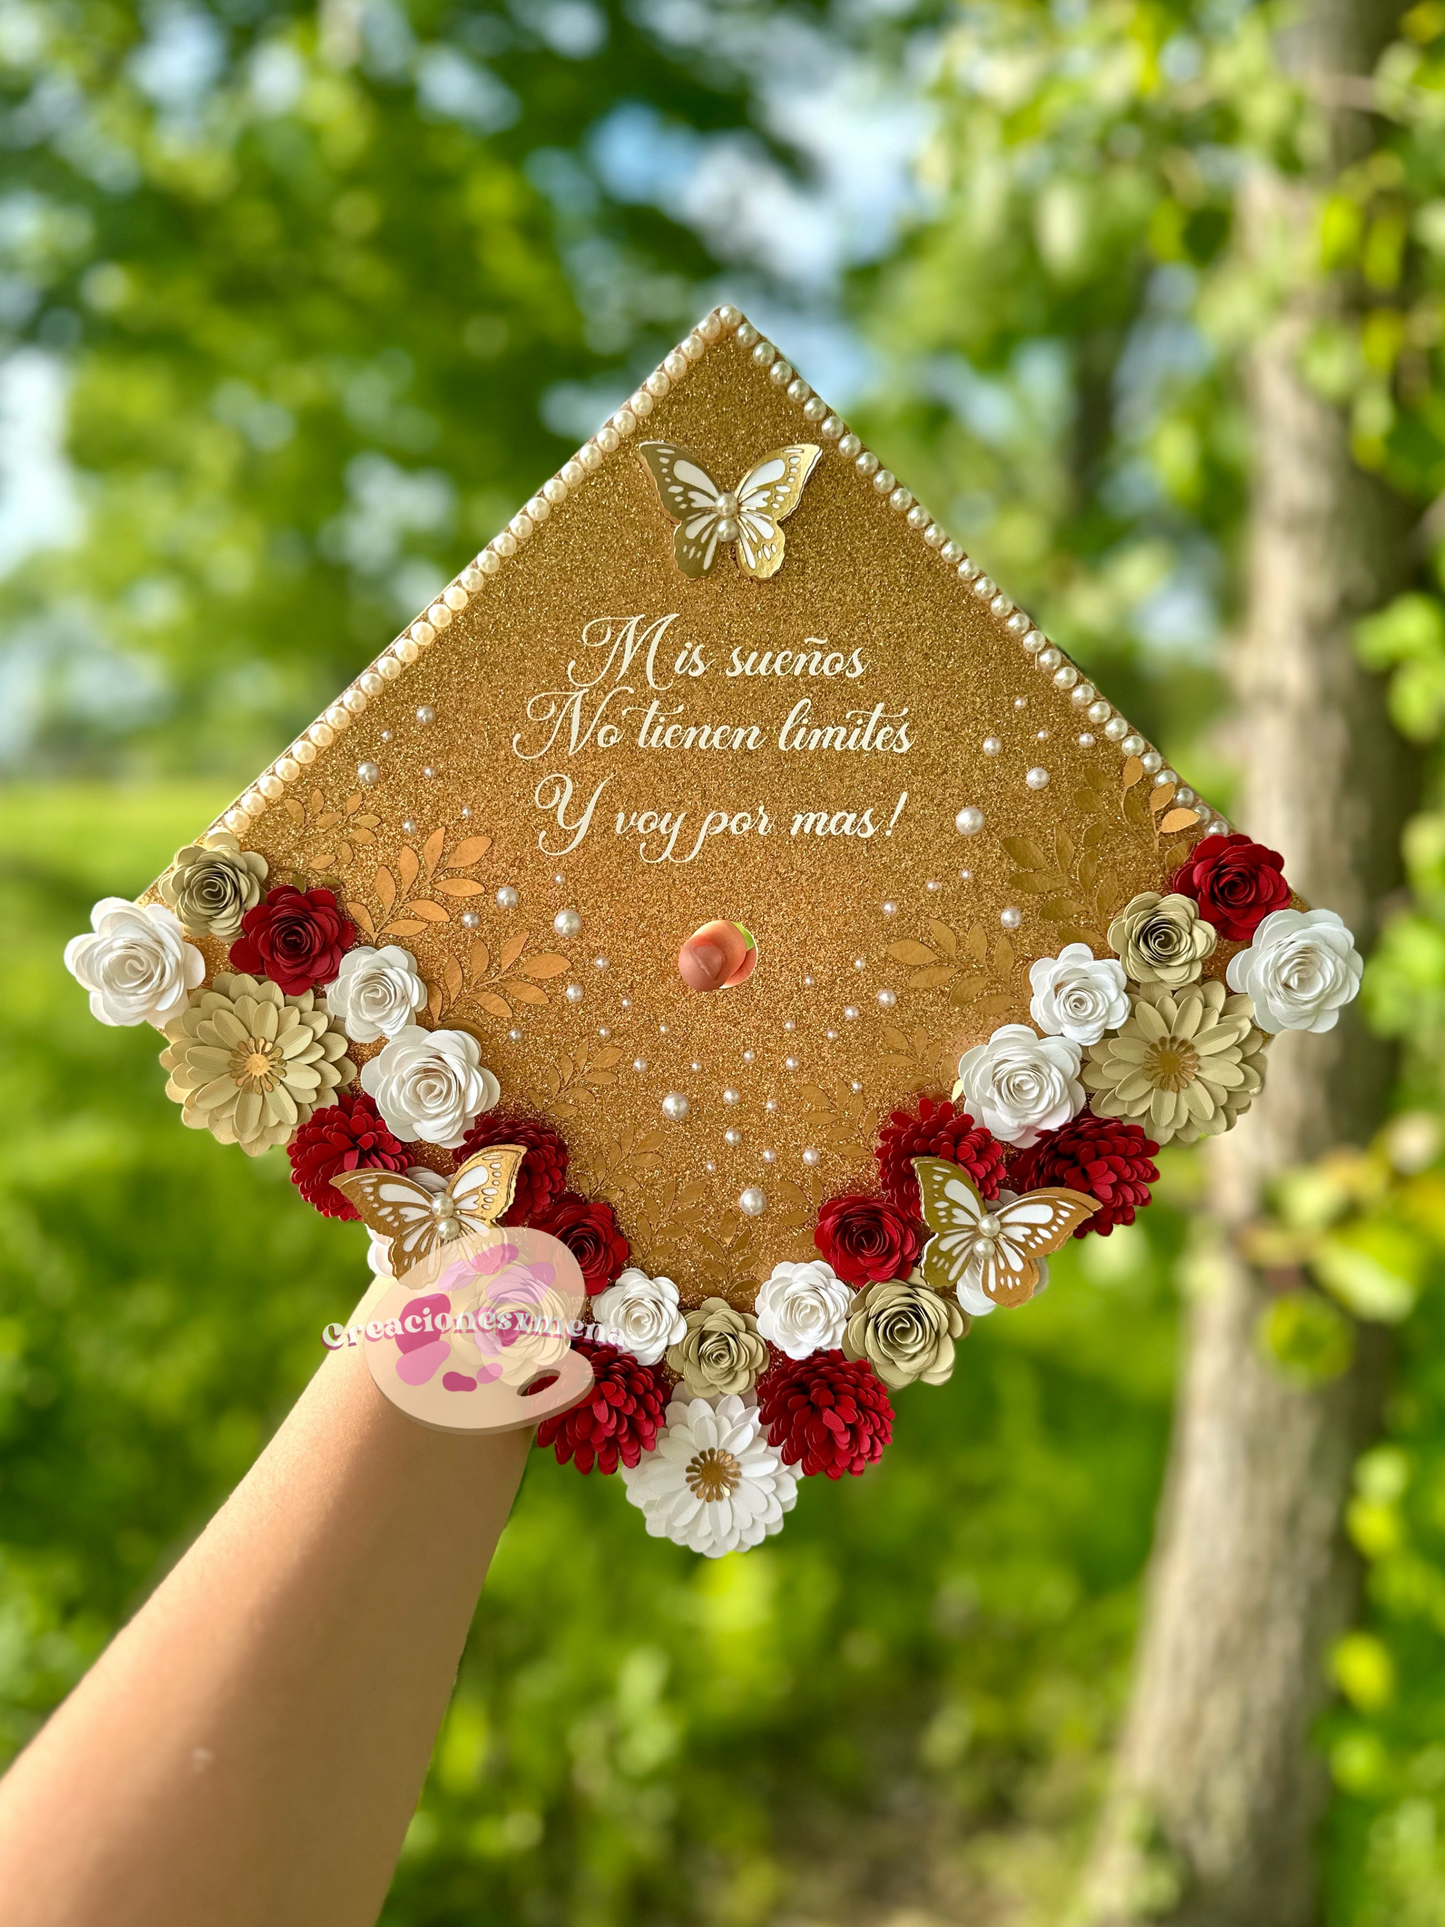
[992,1248]
[417,1219]
[709,516]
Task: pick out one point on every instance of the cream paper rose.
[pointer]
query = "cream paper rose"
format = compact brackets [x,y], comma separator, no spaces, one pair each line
[212,883]
[1018,1084]
[376,992]
[906,1332]
[135,962]
[803,1308]
[430,1084]
[641,1315]
[1299,971]
[1078,995]
[720,1352]
[1161,940]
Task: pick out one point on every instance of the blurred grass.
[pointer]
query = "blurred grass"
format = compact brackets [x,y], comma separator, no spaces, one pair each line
[903,1701]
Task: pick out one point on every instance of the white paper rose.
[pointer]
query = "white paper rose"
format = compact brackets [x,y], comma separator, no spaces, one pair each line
[803,1308]
[712,1482]
[376,992]
[135,962]
[641,1314]
[430,1084]
[1018,1084]
[1300,971]
[1078,995]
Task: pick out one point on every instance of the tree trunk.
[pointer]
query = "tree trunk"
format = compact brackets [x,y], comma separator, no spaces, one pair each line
[1218,1793]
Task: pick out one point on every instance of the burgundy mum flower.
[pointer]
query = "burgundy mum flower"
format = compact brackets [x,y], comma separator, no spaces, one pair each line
[589,1230]
[867,1239]
[938,1131]
[826,1413]
[1235,882]
[617,1421]
[297,938]
[348,1135]
[1107,1158]
[543,1176]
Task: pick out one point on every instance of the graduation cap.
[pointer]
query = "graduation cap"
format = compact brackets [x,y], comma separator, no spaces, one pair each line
[724,665]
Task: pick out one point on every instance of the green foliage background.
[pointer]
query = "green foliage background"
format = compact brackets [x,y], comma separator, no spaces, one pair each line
[313,310]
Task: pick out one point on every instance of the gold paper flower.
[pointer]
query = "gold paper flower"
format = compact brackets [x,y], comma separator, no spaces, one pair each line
[906,1332]
[249,1064]
[1185,1064]
[1161,940]
[213,883]
[721,1353]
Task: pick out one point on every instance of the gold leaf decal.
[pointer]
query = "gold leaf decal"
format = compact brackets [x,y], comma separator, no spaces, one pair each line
[431,912]
[385,887]
[431,852]
[468,853]
[408,866]
[361,917]
[458,886]
[1178,820]
[547,965]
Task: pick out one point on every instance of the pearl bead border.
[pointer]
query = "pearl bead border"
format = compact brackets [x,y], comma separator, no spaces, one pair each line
[409,647]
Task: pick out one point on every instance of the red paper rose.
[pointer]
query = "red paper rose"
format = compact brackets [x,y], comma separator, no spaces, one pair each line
[543,1173]
[589,1230]
[938,1131]
[297,938]
[1235,882]
[618,1420]
[348,1135]
[826,1413]
[868,1239]
[1107,1158]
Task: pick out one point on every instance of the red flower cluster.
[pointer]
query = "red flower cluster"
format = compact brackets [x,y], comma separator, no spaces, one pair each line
[938,1131]
[589,1230]
[543,1174]
[618,1420]
[348,1135]
[1235,882]
[297,938]
[868,1239]
[825,1413]
[1103,1157]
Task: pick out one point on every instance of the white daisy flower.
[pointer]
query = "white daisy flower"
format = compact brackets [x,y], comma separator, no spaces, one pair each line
[712,1482]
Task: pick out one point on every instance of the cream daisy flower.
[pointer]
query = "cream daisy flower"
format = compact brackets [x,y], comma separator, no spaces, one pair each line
[1186,1063]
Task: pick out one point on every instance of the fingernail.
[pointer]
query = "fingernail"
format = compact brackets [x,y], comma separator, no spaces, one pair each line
[703,966]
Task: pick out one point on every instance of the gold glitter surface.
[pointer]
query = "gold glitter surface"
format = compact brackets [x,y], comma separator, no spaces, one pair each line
[803,845]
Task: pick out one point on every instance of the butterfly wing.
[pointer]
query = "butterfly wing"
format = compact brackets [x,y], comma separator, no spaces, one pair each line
[395,1207]
[482,1187]
[1033,1225]
[690,495]
[766,494]
[951,1210]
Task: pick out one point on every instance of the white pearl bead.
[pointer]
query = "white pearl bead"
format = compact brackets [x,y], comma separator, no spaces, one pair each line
[388,669]
[270,785]
[732,1135]
[322,734]
[933,535]
[426,715]
[1086,740]
[573,473]
[505,543]
[747,334]
[694,347]
[658,383]
[790,1063]
[573,993]
[641,404]
[406,650]
[814,409]
[370,683]
[368,773]
[885,481]
[953,552]
[470,919]
[800,392]
[1100,712]
[439,616]
[890,909]
[567,923]
[1037,778]
[1001,605]
[1083,693]
[849,445]
[770,1157]
[303,752]
[811,1157]
[850,1011]
[764,352]
[969,821]
[422,632]
[236,820]
[676,365]
[730,1097]
[1049,658]
[748,1056]
[599,963]
[514,1036]
[507,897]
[639,1063]
[991,745]
[253,803]
[753,1202]
[727,316]
[1034,641]
[832,427]
[556,491]
[780,374]
[867,462]
[607,438]
[984,587]
[471,578]
[1018,623]
[1184,795]
[1116,729]
[589,455]
[1133,745]
[489,561]
[356,699]
[624,421]
[521,526]
[917,515]
[1011,918]
[675,1106]
[1169,776]
[339,717]
[1152,761]
[888,998]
